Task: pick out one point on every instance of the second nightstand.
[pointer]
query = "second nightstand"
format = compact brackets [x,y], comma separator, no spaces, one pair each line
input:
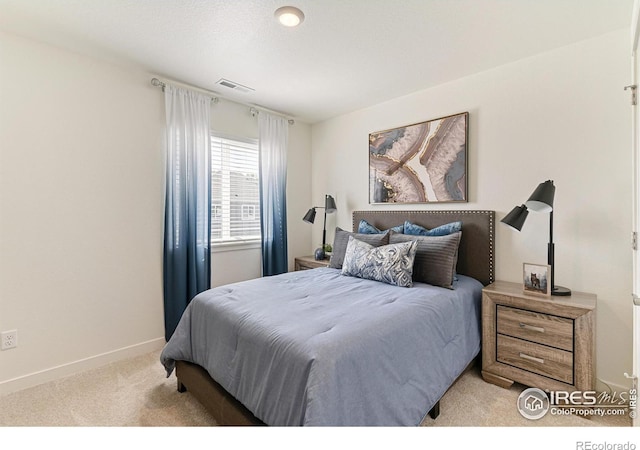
[543,342]
[309,262]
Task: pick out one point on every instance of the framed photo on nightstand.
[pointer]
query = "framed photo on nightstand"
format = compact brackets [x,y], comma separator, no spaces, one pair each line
[536,279]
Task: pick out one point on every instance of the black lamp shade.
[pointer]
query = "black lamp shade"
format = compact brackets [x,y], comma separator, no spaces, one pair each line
[515,219]
[310,216]
[542,198]
[329,204]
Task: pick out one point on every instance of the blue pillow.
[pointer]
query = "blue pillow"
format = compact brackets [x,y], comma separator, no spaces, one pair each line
[366,228]
[442,230]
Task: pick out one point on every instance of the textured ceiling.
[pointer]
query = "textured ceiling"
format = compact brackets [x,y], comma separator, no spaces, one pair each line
[346,55]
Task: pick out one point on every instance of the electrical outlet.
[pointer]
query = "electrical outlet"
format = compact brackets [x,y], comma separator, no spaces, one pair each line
[9,339]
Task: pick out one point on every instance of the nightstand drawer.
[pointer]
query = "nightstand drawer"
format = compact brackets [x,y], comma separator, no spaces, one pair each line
[537,327]
[303,266]
[543,342]
[550,362]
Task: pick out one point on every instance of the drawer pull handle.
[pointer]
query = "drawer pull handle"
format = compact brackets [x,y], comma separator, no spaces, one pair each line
[531,358]
[531,327]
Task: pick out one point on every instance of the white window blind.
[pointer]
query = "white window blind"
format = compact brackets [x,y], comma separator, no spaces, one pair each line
[235,190]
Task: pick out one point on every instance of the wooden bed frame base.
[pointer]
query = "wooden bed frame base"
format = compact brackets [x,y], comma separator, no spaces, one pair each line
[222,405]
[225,409]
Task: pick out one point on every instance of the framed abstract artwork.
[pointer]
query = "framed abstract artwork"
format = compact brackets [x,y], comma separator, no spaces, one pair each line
[421,163]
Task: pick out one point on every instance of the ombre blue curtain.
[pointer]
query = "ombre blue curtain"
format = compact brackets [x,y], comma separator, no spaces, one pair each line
[274,136]
[187,227]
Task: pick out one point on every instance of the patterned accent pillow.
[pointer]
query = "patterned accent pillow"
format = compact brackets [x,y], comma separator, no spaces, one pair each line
[391,264]
[442,230]
[366,228]
[436,257]
[341,240]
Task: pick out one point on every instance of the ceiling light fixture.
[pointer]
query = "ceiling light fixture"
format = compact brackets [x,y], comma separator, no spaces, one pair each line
[289,16]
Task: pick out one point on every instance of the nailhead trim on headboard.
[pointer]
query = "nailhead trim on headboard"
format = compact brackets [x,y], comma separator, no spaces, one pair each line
[483,231]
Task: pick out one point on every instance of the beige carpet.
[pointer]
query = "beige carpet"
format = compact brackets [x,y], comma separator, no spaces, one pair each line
[132,392]
[472,402]
[136,393]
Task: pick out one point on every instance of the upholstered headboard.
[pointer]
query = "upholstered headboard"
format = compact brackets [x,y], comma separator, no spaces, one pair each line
[476,251]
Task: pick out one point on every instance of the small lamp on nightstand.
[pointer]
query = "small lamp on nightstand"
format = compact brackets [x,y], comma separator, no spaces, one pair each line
[540,201]
[329,207]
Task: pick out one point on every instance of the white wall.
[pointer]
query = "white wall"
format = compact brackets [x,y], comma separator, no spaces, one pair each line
[81,197]
[298,190]
[562,115]
[81,210]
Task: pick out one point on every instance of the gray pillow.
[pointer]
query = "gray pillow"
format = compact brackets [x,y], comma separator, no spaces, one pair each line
[391,264]
[342,239]
[436,258]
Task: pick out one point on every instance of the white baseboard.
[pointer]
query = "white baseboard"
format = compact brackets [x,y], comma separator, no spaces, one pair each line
[92,362]
[608,386]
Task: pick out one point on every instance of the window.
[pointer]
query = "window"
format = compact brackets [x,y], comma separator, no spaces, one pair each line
[235,190]
[248,212]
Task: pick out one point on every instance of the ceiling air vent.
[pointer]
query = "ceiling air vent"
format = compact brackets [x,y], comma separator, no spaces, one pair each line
[233,85]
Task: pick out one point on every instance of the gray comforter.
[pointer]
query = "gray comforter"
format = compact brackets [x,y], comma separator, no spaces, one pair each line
[315,347]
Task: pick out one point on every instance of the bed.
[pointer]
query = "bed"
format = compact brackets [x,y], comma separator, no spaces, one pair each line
[318,348]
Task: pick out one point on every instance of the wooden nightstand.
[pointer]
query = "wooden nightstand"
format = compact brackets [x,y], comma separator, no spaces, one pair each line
[309,262]
[543,342]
